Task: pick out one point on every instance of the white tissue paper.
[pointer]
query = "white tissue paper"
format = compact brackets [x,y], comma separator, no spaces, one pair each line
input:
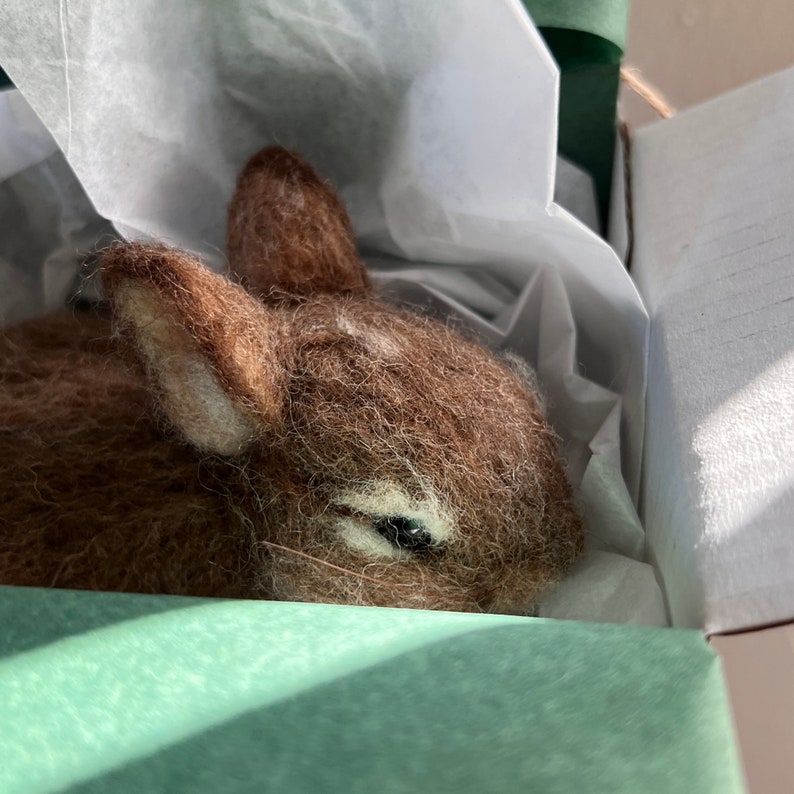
[44,214]
[437,124]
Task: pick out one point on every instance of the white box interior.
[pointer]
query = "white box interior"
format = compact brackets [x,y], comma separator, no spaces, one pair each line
[713,195]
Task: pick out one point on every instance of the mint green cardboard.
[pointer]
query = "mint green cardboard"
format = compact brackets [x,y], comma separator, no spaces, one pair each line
[120,693]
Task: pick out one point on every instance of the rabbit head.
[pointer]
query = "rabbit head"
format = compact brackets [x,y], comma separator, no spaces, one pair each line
[382,458]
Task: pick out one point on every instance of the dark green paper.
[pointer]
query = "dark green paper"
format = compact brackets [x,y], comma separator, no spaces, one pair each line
[118,693]
[587,39]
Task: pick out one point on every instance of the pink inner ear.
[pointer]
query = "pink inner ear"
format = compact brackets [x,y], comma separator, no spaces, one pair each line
[288,231]
[213,352]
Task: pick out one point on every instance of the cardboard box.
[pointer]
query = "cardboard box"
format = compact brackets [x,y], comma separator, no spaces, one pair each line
[714,259]
[713,246]
[107,692]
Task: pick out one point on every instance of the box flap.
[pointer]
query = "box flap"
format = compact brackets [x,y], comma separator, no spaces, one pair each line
[149,693]
[713,196]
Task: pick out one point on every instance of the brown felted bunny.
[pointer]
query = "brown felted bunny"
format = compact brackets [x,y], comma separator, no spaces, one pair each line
[283,434]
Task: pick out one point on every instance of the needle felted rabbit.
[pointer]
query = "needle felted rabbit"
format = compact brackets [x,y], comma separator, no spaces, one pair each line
[278,434]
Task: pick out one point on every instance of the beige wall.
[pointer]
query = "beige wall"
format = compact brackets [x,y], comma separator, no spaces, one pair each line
[695,49]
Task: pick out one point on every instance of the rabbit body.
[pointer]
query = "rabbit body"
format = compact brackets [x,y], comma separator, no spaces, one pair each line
[278,434]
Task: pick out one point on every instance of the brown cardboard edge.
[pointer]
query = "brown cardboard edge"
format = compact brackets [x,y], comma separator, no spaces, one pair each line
[624,139]
[758,667]
[618,234]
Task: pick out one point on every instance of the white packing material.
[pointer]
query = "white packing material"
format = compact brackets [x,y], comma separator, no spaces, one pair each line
[44,214]
[437,124]
[575,190]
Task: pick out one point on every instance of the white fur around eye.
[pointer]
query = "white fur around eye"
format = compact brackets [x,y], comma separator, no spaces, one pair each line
[385,498]
[362,537]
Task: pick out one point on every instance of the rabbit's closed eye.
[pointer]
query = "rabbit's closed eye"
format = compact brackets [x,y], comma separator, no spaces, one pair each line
[408,534]
[382,520]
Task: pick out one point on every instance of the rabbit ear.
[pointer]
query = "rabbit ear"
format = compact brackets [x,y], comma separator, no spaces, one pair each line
[289,232]
[209,347]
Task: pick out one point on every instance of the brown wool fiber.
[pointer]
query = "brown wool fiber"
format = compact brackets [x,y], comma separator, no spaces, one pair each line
[248,437]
